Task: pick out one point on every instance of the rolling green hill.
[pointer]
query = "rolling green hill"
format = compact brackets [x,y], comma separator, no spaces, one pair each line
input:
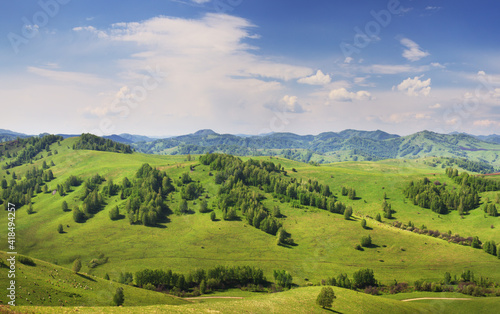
[324,240]
[330,146]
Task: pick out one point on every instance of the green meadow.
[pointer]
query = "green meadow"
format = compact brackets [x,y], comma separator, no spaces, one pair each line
[325,241]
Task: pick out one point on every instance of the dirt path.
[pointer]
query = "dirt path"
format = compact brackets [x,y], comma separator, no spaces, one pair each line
[201,298]
[416,299]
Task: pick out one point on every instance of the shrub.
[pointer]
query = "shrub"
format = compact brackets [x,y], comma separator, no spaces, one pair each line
[366,241]
[26,260]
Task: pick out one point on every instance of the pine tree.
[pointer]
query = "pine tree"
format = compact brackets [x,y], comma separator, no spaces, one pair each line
[64,206]
[212,216]
[119,298]
[60,228]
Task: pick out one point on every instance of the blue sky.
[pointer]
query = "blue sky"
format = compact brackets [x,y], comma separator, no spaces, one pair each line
[168,67]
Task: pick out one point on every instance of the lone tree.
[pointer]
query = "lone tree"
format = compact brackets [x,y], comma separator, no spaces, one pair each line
[363,224]
[325,297]
[348,213]
[60,228]
[212,216]
[64,206]
[119,298]
[77,265]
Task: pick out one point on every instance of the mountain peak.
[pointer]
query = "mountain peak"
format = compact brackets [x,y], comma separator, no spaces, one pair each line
[205,132]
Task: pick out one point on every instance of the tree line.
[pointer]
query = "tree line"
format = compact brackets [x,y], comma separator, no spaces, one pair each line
[92,142]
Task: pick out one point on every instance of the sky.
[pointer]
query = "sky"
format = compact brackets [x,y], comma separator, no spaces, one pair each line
[171,67]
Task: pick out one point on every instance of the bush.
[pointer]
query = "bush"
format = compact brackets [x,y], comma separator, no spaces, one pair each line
[60,228]
[26,260]
[366,241]
[363,223]
[212,216]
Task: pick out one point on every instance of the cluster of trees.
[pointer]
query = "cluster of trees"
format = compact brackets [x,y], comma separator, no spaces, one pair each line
[146,195]
[435,196]
[92,142]
[490,209]
[283,278]
[32,147]
[479,183]
[388,211]
[219,277]
[65,188]
[469,165]
[20,192]
[490,247]
[93,201]
[235,176]
[349,192]
[361,279]
[466,284]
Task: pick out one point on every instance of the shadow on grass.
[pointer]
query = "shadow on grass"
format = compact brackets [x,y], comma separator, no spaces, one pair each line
[86,277]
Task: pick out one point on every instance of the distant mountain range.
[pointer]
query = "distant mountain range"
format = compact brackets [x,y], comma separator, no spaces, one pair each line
[324,147]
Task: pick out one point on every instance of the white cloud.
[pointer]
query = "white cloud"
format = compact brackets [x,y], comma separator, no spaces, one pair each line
[201,1]
[92,30]
[415,87]
[413,51]
[348,60]
[317,79]
[287,104]
[437,65]
[67,77]
[342,94]
[435,106]
[393,69]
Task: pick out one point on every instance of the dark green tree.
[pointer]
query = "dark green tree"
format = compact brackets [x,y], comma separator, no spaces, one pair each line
[325,297]
[60,228]
[119,297]
[64,206]
[77,265]
[348,213]
[363,223]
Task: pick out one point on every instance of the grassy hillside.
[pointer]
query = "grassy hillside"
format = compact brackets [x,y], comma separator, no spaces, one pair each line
[300,300]
[330,146]
[51,285]
[325,241]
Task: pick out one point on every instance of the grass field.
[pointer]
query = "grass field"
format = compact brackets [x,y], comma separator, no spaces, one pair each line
[325,241]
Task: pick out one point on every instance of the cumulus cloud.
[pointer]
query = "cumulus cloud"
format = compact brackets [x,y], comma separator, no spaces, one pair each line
[415,86]
[413,51]
[317,79]
[342,94]
[287,104]
[92,30]
[435,106]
